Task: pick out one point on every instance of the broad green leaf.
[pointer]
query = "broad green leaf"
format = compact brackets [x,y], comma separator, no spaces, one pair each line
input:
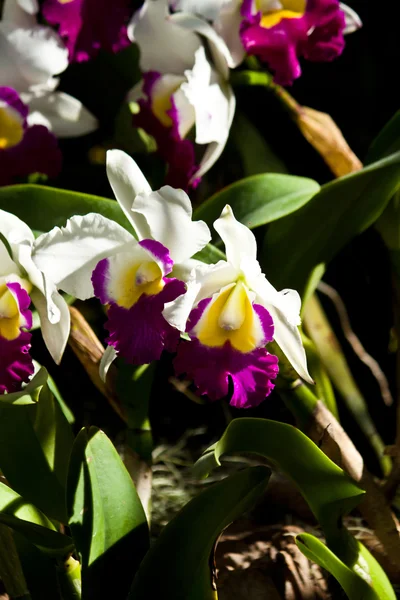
[35,444]
[255,153]
[260,199]
[28,520]
[210,254]
[106,517]
[39,570]
[29,393]
[369,582]
[307,240]
[43,208]
[387,141]
[178,566]
[328,490]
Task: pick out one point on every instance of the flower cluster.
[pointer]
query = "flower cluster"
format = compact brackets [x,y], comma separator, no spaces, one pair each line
[154,291]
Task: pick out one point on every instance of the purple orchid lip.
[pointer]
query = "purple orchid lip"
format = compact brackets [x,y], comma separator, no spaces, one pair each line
[214,370]
[140,334]
[316,35]
[178,153]
[87,26]
[16,366]
[10,98]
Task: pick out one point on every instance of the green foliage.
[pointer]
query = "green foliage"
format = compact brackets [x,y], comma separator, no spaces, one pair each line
[387,141]
[260,199]
[106,517]
[28,520]
[369,583]
[29,394]
[302,244]
[178,566]
[37,468]
[43,208]
[328,490]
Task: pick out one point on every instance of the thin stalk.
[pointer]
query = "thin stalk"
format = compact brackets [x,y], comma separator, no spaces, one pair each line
[331,353]
[10,567]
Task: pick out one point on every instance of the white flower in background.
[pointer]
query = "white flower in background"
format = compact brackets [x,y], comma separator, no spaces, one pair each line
[31,55]
[182,89]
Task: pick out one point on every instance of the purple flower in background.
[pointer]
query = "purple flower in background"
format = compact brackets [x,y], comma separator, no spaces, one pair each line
[185,101]
[231,312]
[23,149]
[280,32]
[86,26]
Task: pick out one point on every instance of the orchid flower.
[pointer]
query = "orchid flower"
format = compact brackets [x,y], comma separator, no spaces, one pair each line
[181,89]
[278,31]
[86,26]
[30,57]
[231,311]
[131,276]
[20,283]
[23,149]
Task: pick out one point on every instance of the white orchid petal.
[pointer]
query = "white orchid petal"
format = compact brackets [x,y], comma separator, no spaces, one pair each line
[55,335]
[110,354]
[164,46]
[15,232]
[211,106]
[238,239]
[220,53]
[214,149]
[227,25]
[208,9]
[20,13]
[168,214]
[288,338]
[69,254]
[35,54]
[7,265]
[61,113]
[127,181]
[353,21]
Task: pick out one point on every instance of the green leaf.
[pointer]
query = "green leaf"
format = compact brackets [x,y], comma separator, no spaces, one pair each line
[35,444]
[260,199]
[210,255]
[107,520]
[29,394]
[178,566]
[255,153]
[43,208]
[328,490]
[28,520]
[387,141]
[300,245]
[368,583]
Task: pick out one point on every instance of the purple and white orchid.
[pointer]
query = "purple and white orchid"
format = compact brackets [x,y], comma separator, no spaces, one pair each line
[22,282]
[135,278]
[279,32]
[31,55]
[231,311]
[182,90]
[24,149]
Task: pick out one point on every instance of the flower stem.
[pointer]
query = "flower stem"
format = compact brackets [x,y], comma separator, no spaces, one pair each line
[332,356]
[69,576]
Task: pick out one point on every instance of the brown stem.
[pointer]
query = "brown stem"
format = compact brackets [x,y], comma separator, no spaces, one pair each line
[89,351]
